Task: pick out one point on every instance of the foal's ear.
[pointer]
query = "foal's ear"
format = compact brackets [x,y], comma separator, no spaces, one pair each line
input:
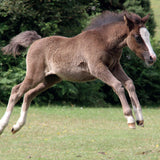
[145,19]
[128,21]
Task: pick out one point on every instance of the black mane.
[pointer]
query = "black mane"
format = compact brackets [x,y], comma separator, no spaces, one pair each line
[107,17]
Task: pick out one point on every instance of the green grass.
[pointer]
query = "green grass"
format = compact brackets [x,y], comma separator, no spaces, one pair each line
[155,5]
[70,133]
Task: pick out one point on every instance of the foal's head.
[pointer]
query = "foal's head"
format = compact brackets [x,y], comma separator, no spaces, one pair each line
[138,38]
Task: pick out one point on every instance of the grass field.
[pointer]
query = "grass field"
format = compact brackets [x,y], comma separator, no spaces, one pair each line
[76,133]
[155,5]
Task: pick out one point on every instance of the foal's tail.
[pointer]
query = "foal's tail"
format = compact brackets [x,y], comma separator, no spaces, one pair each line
[19,42]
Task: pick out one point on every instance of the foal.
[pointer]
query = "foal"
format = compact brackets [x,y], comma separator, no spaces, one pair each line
[93,54]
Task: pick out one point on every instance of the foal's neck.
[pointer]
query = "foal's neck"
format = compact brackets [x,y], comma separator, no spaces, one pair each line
[115,35]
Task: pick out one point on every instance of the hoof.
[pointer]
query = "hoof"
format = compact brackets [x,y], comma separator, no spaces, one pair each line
[140,123]
[13,131]
[132,125]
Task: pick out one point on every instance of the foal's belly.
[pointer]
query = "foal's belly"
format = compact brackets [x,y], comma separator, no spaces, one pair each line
[74,74]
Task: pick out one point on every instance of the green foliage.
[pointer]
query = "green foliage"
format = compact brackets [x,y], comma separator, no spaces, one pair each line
[11,73]
[47,17]
[68,18]
[79,93]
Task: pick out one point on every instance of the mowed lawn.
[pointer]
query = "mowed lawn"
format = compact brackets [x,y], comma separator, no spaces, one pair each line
[76,133]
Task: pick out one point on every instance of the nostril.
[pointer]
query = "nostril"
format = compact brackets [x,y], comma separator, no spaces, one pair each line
[151,59]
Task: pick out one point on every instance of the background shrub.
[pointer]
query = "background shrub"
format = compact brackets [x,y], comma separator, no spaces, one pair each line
[68,18]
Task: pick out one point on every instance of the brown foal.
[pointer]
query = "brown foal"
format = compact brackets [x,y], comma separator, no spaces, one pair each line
[93,54]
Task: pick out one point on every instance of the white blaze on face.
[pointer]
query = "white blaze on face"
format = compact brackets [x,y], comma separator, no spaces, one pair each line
[145,36]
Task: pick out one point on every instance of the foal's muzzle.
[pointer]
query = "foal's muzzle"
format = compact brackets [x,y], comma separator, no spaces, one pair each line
[150,60]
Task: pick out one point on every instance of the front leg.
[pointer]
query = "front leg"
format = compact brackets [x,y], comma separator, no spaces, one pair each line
[100,71]
[128,84]
[135,102]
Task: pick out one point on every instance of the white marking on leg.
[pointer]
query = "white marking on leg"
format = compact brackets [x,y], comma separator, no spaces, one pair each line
[130,119]
[138,113]
[21,121]
[145,36]
[4,120]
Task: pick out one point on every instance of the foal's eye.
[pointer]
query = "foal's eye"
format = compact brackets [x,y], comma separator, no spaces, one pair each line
[138,39]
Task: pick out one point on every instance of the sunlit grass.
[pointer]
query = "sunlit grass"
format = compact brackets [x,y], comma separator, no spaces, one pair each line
[155,5]
[70,133]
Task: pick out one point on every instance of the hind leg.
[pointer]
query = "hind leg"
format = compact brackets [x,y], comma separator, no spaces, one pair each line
[34,75]
[4,120]
[17,92]
[28,97]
